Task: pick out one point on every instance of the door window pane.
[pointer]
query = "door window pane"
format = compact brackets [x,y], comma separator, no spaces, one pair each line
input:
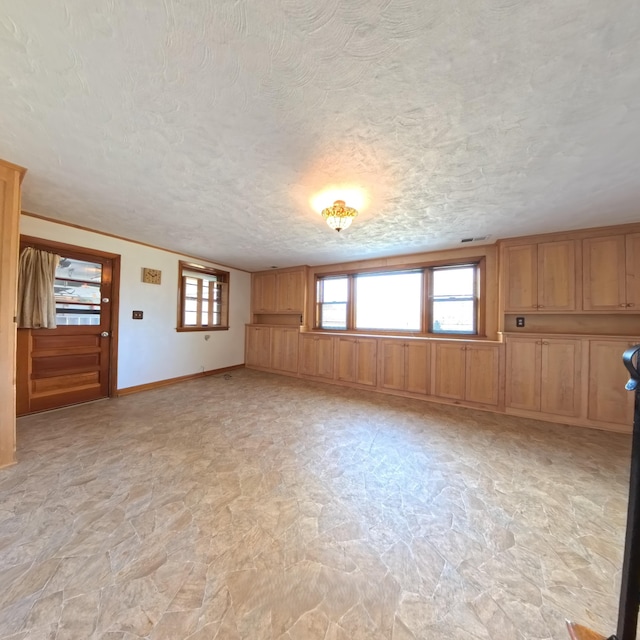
[390,301]
[77,292]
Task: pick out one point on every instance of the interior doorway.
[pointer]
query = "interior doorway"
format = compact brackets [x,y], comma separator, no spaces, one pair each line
[77,361]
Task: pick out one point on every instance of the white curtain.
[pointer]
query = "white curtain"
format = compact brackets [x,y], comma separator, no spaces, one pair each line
[36,296]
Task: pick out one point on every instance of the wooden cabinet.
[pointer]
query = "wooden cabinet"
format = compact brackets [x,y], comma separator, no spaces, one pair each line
[263,292]
[290,286]
[284,349]
[540,277]
[611,266]
[609,403]
[356,360]
[543,374]
[316,356]
[258,347]
[466,372]
[278,291]
[404,366]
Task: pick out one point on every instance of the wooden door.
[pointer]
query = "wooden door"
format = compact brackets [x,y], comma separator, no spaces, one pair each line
[560,381]
[346,359]
[284,349]
[633,272]
[263,292]
[290,288]
[448,371]
[520,273]
[522,375]
[604,273]
[366,361]
[258,347]
[609,403]
[557,276]
[416,361]
[482,376]
[392,360]
[71,363]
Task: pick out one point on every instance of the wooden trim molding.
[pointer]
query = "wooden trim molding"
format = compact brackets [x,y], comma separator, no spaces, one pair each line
[165,383]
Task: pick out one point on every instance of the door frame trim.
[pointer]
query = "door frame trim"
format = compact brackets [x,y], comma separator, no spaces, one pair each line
[47,245]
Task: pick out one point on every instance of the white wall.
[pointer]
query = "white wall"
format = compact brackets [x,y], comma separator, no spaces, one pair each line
[151,349]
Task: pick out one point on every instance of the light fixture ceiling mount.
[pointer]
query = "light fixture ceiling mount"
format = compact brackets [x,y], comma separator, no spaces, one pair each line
[338,215]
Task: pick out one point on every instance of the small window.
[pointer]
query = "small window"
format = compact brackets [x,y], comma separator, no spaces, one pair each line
[331,296]
[389,301]
[454,299]
[204,298]
[77,292]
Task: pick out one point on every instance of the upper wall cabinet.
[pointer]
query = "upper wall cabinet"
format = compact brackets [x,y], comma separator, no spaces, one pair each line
[540,277]
[278,291]
[612,273]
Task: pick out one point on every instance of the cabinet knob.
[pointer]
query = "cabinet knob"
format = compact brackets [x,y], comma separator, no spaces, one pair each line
[623,304]
[544,342]
[540,306]
[630,304]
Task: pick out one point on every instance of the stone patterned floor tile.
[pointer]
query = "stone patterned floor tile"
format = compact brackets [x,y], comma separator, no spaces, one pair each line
[262,507]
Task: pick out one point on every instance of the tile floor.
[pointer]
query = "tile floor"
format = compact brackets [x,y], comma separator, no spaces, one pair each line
[267,507]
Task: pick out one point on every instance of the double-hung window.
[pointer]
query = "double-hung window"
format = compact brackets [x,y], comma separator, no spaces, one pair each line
[433,299]
[204,298]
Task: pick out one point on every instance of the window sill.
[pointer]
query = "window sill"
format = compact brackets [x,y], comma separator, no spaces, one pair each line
[187,329]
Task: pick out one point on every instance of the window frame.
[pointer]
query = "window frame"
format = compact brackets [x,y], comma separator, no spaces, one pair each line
[224,277]
[427,268]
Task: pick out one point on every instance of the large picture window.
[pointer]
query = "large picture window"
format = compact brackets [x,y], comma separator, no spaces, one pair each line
[204,298]
[434,299]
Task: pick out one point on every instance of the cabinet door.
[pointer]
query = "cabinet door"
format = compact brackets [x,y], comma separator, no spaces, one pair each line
[416,360]
[560,382]
[604,273]
[448,377]
[522,375]
[482,376]
[557,276]
[284,349]
[346,354]
[366,361]
[308,354]
[263,292]
[258,351]
[520,273]
[324,357]
[290,289]
[633,272]
[393,364]
[609,402]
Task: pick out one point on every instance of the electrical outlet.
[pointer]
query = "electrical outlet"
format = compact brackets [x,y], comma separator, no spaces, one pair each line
[520,321]
[137,315]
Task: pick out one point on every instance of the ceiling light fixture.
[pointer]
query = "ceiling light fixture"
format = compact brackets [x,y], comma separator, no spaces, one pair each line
[338,215]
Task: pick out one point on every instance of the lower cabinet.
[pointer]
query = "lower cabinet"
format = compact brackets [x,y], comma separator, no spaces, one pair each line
[258,347]
[273,348]
[316,356]
[284,349]
[543,374]
[466,372]
[609,403]
[357,360]
[404,366]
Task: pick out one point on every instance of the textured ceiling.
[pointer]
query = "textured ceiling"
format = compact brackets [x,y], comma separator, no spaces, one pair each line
[206,126]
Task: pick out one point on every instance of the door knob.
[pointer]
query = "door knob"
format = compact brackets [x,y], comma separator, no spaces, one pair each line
[105,299]
[105,334]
